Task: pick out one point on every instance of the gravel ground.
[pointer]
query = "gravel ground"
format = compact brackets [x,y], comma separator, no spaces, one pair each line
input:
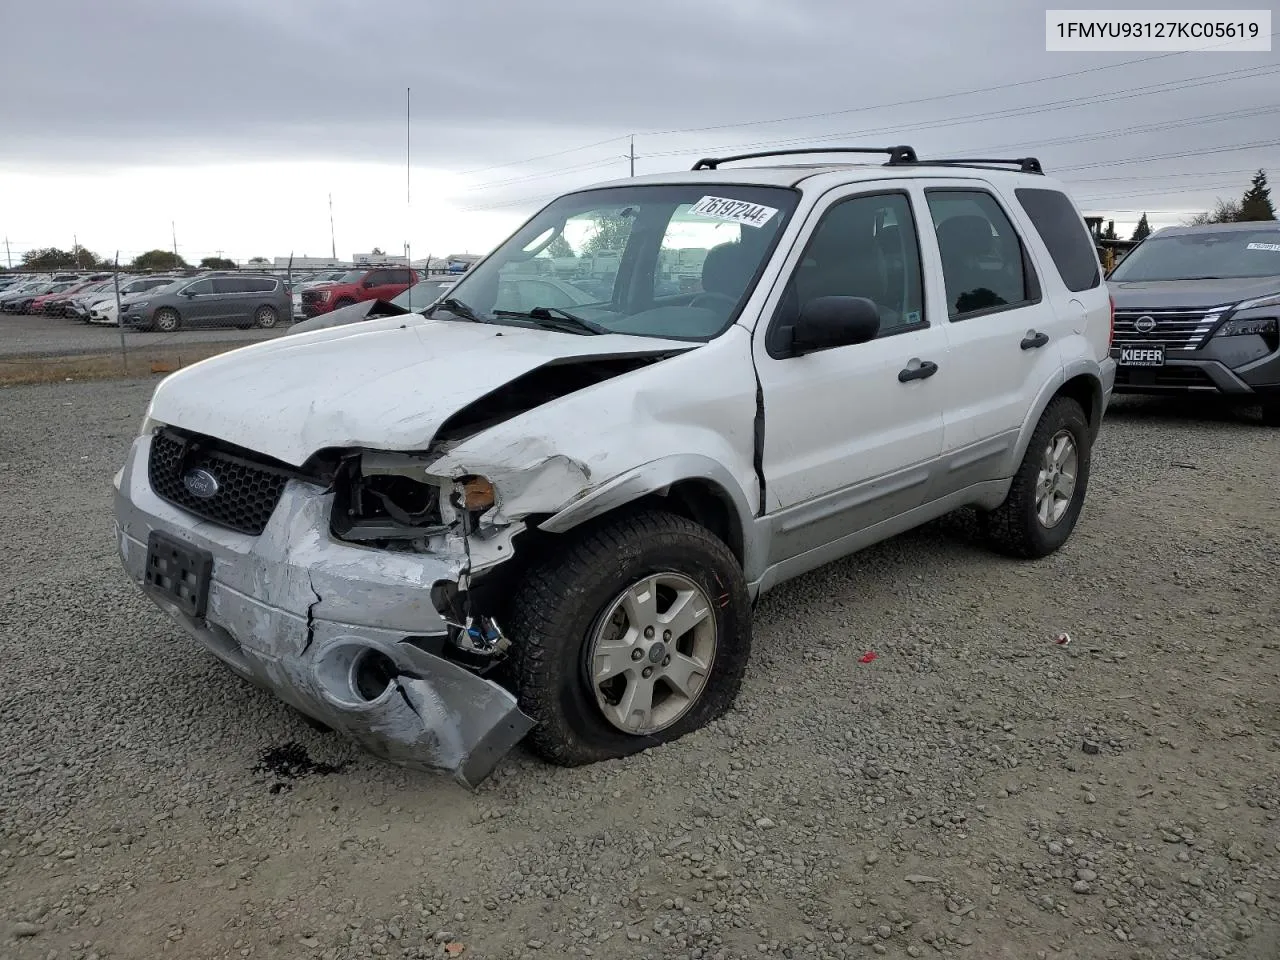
[25,337]
[976,791]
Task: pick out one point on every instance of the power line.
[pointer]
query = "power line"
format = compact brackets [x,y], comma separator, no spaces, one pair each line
[862,109]
[944,96]
[1004,113]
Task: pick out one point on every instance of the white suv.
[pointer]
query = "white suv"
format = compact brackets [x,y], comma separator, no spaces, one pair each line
[439,533]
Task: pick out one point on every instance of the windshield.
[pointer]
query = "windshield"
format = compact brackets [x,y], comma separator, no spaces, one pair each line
[1197,256]
[669,261]
[422,294]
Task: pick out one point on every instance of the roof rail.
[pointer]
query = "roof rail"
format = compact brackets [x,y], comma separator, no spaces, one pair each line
[1024,164]
[898,154]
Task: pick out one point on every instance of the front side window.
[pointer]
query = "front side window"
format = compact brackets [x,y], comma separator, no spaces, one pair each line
[984,265]
[865,247]
[674,261]
[199,288]
[1204,255]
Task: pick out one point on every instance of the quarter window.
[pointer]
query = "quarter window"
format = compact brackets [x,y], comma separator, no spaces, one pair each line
[984,265]
[1065,235]
[864,247]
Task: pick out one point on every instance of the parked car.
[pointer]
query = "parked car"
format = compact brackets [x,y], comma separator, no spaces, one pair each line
[1197,312]
[36,305]
[56,304]
[18,299]
[76,305]
[379,283]
[240,300]
[369,520]
[306,283]
[102,310]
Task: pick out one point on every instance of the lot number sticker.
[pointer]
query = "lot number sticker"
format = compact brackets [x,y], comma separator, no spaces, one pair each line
[1273,247]
[733,211]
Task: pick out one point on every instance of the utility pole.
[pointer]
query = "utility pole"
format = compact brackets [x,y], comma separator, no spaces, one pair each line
[633,155]
[174,229]
[7,255]
[333,244]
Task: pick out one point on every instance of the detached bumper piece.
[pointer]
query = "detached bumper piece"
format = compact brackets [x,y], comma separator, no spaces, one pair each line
[344,634]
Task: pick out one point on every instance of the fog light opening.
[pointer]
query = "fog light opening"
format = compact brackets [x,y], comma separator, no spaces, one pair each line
[372,673]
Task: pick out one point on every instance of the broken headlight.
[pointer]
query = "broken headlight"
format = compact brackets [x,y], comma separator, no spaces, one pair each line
[385,497]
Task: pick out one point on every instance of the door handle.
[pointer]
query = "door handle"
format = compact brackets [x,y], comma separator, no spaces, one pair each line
[1034,339]
[921,371]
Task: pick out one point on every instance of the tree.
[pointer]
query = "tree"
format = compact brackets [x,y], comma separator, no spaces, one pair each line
[158,260]
[611,234]
[258,260]
[1256,202]
[48,258]
[1225,211]
[1142,230]
[559,247]
[217,263]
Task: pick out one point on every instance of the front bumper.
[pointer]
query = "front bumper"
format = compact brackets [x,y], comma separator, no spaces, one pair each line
[1244,369]
[302,615]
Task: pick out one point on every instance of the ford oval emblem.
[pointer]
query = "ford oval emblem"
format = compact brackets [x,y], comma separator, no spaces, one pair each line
[201,483]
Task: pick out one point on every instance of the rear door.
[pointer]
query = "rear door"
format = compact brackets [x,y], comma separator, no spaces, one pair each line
[234,300]
[1003,331]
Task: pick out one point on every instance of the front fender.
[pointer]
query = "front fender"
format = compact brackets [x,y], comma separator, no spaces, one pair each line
[656,477]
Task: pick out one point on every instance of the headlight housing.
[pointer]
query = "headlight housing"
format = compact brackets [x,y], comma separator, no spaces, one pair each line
[1252,326]
[136,306]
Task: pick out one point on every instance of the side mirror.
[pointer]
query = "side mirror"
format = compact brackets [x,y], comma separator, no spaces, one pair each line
[368,284]
[827,322]
[188,292]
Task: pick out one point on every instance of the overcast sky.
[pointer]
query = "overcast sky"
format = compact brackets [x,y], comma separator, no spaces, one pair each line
[236,119]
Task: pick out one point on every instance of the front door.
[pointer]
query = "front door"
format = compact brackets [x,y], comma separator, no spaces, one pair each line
[852,433]
[200,306]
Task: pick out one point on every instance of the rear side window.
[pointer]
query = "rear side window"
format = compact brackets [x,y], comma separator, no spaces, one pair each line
[984,266]
[1064,233]
[227,285]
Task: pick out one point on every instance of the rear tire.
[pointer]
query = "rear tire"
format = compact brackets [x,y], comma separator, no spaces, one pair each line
[266,317]
[567,633]
[1048,491]
[166,320]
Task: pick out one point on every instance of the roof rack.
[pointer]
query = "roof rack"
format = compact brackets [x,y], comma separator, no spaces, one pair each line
[899,154]
[1024,164]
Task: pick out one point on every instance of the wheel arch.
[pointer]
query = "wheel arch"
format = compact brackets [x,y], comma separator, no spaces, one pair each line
[691,485]
[1081,382]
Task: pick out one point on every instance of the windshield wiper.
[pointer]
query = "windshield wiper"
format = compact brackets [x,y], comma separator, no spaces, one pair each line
[457,307]
[554,318]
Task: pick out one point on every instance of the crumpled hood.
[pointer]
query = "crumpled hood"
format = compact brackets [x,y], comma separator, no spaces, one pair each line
[1157,294]
[385,384]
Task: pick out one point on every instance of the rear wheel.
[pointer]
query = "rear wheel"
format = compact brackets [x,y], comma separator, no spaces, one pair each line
[635,634]
[266,317]
[166,320]
[1048,491]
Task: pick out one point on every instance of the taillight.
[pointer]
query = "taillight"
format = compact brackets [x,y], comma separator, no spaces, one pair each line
[1111,337]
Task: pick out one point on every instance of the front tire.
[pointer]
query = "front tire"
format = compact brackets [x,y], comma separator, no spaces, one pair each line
[1048,491]
[636,633]
[166,320]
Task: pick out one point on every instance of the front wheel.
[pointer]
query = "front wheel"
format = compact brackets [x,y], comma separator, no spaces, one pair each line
[636,633]
[1047,494]
[166,320]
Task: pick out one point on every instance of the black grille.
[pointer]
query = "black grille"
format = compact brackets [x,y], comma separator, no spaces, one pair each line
[247,492]
[1176,328]
[1186,378]
[311,296]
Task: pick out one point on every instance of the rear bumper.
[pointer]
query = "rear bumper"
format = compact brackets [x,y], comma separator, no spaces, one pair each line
[306,618]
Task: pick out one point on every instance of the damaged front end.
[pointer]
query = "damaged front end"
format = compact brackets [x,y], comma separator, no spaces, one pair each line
[351,603]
